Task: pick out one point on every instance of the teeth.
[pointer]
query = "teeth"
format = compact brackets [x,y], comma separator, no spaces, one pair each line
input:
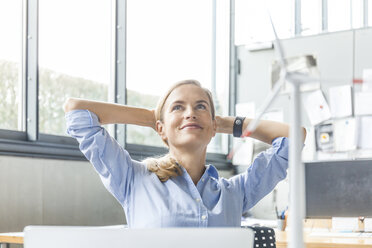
[191,126]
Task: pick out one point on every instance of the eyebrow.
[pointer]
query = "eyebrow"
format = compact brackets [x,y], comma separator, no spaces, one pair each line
[182,102]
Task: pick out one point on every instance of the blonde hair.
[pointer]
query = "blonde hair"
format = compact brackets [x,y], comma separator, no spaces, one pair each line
[166,167]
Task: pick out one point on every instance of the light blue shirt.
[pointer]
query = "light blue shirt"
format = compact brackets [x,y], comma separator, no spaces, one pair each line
[178,202]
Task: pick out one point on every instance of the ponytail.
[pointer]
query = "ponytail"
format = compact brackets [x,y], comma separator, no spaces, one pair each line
[164,167]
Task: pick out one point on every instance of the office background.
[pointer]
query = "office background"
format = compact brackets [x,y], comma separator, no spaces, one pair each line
[44,179]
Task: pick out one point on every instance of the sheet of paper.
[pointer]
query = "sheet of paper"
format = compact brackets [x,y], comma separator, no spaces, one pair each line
[364,132]
[316,107]
[340,101]
[344,135]
[344,224]
[368,224]
[367,80]
[363,103]
[244,155]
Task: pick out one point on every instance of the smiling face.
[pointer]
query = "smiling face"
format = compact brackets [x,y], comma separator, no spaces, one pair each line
[187,120]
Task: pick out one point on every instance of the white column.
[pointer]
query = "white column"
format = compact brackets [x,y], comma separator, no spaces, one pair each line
[296,180]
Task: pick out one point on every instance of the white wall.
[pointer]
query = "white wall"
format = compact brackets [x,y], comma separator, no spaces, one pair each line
[53,192]
[341,56]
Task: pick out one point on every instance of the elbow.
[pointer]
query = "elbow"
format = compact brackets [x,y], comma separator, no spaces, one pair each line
[69,104]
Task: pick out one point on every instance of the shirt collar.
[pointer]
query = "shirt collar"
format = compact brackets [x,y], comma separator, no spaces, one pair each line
[212,171]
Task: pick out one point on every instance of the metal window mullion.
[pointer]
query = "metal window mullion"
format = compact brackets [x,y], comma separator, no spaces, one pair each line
[120,63]
[31,69]
[297,19]
[214,31]
[217,139]
[351,14]
[365,13]
[21,81]
[324,15]
[232,62]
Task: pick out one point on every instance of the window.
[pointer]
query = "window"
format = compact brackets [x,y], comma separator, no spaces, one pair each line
[339,15]
[164,47]
[369,12]
[75,52]
[282,14]
[311,17]
[252,21]
[357,13]
[11,109]
[247,15]
[222,68]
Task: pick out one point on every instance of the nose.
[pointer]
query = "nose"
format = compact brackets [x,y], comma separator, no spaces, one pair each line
[190,114]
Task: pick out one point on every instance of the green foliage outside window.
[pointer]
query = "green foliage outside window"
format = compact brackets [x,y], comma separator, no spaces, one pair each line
[9,95]
[54,89]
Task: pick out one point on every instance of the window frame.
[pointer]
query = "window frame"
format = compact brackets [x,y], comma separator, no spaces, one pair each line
[31,143]
[297,26]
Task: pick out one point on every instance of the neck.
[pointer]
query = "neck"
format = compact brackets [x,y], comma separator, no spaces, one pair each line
[192,161]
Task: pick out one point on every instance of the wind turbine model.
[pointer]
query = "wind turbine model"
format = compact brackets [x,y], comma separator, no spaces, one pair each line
[297,171]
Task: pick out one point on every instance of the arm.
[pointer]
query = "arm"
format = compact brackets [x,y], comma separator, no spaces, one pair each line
[111,161]
[268,168]
[266,131]
[110,113]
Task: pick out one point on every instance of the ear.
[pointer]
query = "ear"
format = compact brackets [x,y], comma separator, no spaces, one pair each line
[160,129]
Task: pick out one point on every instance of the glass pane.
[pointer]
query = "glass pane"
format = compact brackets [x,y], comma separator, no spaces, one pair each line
[168,41]
[311,17]
[11,65]
[220,142]
[74,55]
[252,22]
[369,12]
[338,15]
[282,14]
[357,13]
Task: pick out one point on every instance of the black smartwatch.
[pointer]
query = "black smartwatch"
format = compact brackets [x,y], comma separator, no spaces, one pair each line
[238,126]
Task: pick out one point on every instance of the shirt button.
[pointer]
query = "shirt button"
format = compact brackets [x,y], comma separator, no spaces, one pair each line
[197,200]
[204,217]
[203,180]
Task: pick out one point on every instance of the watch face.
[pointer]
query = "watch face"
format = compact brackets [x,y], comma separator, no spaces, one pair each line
[238,122]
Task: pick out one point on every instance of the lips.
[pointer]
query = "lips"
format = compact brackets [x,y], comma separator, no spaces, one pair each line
[191,126]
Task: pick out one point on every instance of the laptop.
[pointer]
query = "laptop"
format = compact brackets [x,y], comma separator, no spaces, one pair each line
[118,236]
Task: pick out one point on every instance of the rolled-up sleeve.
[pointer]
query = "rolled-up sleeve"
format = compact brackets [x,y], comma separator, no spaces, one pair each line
[269,168]
[109,159]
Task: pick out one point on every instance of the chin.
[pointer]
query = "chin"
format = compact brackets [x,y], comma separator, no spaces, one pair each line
[194,143]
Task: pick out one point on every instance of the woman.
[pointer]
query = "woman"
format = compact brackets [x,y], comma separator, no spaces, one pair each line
[177,189]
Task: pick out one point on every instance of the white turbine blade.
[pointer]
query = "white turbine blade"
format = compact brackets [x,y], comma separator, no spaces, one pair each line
[269,99]
[278,47]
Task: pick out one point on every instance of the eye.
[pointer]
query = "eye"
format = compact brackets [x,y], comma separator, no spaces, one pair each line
[176,107]
[201,106]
